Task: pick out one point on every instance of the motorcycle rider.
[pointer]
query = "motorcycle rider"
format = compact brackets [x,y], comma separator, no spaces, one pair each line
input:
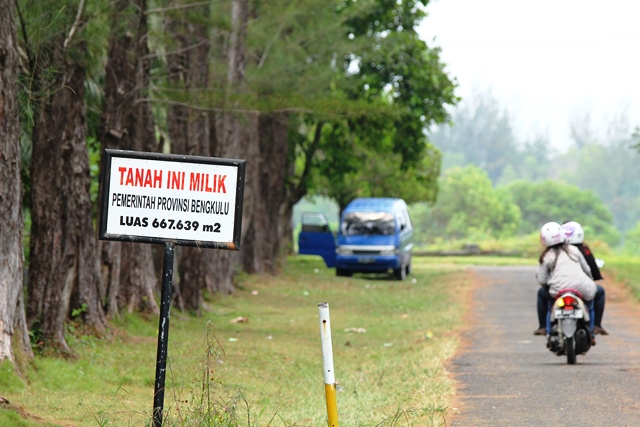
[562,266]
[575,236]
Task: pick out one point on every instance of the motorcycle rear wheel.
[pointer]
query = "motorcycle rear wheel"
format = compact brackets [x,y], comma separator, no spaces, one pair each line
[571,351]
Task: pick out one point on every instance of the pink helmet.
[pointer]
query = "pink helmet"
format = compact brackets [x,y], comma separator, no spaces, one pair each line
[574,232]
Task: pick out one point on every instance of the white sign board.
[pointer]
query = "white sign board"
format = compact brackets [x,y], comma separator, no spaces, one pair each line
[188,200]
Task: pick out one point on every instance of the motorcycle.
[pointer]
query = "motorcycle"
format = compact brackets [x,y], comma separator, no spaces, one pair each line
[570,331]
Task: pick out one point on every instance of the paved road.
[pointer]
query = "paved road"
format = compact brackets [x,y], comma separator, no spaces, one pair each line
[505,376]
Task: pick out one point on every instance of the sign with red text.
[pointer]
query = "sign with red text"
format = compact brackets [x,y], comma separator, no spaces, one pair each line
[188,200]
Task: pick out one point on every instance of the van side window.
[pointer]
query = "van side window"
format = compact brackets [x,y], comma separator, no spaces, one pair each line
[313,222]
[402,221]
[408,220]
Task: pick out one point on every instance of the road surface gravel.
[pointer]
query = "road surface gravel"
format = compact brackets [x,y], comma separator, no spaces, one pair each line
[505,376]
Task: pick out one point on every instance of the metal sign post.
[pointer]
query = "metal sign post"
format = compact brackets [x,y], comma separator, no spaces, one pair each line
[173,200]
[327,362]
[163,334]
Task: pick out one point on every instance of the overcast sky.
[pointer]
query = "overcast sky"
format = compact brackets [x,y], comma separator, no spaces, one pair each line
[546,61]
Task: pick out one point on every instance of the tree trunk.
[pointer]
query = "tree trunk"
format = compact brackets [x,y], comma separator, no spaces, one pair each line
[252,252]
[286,231]
[189,134]
[138,279]
[64,275]
[270,200]
[46,244]
[14,338]
[233,140]
[84,276]
[114,127]
[128,124]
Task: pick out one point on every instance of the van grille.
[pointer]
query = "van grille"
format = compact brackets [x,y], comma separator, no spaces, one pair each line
[366,252]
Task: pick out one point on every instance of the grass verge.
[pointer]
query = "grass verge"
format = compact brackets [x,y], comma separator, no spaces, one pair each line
[624,269]
[255,358]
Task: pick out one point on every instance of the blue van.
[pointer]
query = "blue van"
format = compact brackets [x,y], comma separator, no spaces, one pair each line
[375,236]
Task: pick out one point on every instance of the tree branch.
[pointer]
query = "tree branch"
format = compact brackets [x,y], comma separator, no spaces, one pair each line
[263,58]
[27,45]
[179,7]
[74,27]
[301,189]
[178,51]
[219,110]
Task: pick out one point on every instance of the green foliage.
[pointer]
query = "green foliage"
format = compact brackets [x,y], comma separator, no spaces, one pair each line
[51,34]
[532,162]
[53,31]
[481,134]
[612,173]
[384,151]
[625,269]
[370,173]
[94,148]
[632,241]
[468,207]
[550,200]
[358,65]
[357,73]
[78,311]
[293,47]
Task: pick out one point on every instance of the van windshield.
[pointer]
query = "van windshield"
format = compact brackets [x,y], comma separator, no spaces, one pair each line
[368,223]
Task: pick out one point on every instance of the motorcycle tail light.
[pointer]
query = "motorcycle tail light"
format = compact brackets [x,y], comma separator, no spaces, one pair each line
[569,300]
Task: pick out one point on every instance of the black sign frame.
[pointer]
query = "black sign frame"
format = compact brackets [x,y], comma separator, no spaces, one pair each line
[110,154]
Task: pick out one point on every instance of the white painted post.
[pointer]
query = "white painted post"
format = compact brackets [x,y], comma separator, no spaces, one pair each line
[327,362]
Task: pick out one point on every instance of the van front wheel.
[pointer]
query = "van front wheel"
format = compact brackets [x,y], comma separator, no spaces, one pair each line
[400,273]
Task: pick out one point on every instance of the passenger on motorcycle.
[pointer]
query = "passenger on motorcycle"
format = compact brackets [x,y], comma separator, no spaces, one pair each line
[575,236]
[562,266]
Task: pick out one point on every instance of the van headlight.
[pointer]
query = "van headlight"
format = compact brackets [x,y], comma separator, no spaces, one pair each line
[389,251]
[341,250]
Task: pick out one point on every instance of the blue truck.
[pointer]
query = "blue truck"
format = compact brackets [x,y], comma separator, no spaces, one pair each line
[375,235]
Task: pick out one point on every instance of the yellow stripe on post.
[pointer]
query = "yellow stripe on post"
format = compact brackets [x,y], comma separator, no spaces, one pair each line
[332,406]
[327,362]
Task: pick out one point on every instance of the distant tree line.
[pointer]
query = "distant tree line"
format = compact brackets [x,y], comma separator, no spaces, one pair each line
[602,167]
[469,207]
[326,98]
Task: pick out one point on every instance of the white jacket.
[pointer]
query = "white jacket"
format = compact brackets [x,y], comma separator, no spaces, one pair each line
[568,271]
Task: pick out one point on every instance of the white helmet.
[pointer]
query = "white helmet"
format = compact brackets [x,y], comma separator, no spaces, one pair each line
[552,234]
[574,232]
